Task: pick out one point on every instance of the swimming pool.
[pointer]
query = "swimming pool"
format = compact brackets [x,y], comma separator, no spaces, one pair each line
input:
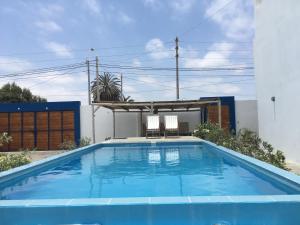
[111,183]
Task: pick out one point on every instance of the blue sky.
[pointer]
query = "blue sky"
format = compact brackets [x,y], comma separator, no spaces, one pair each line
[139,33]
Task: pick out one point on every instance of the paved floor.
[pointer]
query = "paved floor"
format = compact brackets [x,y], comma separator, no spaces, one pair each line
[38,155]
[142,139]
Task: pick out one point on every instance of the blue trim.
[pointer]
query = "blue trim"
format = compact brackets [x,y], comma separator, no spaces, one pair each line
[35,130]
[225,101]
[40,106]
[77,124]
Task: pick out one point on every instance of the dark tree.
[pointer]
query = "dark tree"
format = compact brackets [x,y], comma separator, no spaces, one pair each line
[12,93]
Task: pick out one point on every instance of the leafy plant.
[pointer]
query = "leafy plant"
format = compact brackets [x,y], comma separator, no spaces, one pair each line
[5,138]
[106,87]
[12,160]
[67,145]
[85,141]
[245,142]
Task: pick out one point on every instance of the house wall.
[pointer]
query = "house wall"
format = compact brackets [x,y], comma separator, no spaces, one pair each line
[277,54]
[246,115]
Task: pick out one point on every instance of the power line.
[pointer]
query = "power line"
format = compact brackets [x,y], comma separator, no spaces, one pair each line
[44,70]
[189,87]
[173,69]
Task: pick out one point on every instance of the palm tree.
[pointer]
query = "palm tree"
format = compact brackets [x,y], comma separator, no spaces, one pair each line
[106,87]
[127,99]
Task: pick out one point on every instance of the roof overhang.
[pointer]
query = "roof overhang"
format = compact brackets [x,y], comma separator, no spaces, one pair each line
[158,106]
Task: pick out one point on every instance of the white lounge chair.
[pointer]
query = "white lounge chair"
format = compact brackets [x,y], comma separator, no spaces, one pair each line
[152,125]
[171,124]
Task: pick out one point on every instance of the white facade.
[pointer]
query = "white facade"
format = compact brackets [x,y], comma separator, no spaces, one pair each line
[277,69]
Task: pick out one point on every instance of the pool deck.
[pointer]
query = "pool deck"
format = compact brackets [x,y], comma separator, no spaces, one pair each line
[162,139]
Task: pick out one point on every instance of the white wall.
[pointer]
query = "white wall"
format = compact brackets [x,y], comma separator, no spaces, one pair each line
[246,115]
[277,69]
[103,123]
[127,124]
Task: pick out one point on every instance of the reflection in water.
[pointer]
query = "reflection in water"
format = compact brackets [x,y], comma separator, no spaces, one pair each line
[139,171]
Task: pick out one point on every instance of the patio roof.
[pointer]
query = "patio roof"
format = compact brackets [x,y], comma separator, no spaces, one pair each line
[158,106]
[154,107]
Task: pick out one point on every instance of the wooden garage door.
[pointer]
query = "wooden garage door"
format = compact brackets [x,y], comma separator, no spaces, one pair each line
[43,130]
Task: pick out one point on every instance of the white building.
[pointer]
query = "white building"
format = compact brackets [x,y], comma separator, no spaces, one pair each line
[277,69]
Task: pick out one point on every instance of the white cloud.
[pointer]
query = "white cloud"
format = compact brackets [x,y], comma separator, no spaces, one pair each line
[210,86]
[218,55]
[49,26]
[60,50]
[51,10]
[182,6]
[93,6]
[154,4]
[12,64]
[124,18]
[234,17]
[55,86]
[156,49]
[136,63]
[148,81]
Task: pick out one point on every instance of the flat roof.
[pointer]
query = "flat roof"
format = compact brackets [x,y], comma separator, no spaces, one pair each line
[160,106]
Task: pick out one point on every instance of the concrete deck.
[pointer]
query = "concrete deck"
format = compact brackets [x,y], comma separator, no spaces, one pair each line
[144,139]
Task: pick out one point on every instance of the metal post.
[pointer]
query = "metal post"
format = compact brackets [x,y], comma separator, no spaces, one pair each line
[114,124]
[89,81]
[93,123]
[121,86]
[219,113]
[97,79]
[177,71]
[141,123]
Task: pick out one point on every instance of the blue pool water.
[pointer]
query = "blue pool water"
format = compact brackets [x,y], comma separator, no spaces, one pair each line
[145,171]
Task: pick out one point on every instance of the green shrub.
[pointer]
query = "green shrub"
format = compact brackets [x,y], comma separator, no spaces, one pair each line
[245,142]
[67,145]
[70,145]
[85,141]
[5,138]
[12,160]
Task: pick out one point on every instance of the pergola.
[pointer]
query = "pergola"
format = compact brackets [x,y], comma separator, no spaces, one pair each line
[154,107]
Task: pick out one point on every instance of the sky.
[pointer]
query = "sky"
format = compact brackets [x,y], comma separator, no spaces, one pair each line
[129,36]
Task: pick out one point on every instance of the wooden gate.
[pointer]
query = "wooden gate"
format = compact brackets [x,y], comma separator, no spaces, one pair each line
[30,127]
[211,113]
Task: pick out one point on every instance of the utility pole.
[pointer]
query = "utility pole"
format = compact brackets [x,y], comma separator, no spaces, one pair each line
[121,79]
[177,72]
[89,80]
[97,78]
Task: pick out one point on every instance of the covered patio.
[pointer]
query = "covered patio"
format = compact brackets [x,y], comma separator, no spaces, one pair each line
[156,107]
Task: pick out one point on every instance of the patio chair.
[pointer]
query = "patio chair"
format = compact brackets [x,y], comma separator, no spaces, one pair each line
[171,124]
[152,125]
